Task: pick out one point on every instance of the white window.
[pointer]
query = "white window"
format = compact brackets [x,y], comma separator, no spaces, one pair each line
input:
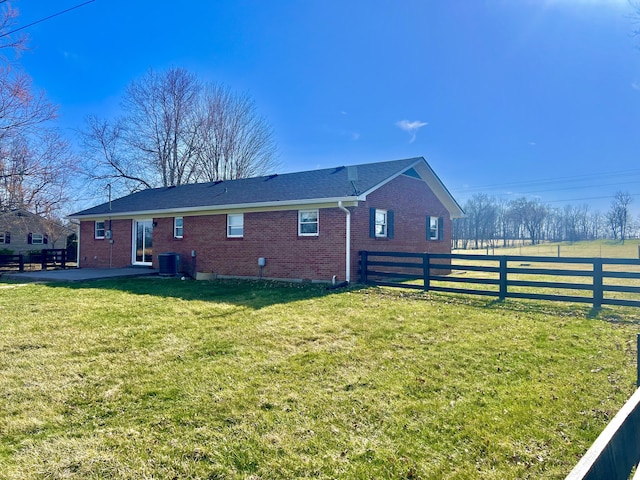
[177,227]
[381,223]
[2,238]
[235,225]
[308,222]
[435,228]
[99,230]
[37,239]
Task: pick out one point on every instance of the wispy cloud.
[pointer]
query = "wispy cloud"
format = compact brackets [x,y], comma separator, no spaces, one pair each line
[635,86]
[70,56]
[411,127]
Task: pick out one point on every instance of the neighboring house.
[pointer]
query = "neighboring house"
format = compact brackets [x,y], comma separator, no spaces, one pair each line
[22,231]
[297,226]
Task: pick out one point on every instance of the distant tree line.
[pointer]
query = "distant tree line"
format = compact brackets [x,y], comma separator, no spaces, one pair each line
[499,223]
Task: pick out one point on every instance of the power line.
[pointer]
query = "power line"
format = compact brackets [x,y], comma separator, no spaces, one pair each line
[46,18]
[587,198]
[557,180]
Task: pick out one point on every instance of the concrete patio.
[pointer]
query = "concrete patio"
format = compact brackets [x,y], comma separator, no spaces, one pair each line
[79,274]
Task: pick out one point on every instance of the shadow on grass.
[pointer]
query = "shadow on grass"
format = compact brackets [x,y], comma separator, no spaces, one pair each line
[254,294]
[622,315]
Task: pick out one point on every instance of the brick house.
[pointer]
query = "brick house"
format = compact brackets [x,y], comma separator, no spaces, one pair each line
[22,231]
[298,226]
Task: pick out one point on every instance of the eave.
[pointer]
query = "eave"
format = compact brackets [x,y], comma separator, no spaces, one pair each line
[349,201]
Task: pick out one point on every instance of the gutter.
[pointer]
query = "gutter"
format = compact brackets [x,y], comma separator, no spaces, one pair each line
[347,275]
[215,209]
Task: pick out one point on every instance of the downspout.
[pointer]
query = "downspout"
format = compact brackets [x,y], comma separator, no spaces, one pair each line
[78,247]
[348,242]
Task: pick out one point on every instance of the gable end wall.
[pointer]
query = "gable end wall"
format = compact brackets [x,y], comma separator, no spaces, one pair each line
[412,201]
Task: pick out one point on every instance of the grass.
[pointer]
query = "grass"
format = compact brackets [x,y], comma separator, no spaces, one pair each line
[152,378]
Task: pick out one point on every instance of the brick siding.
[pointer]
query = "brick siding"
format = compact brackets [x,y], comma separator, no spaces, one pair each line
[100,253]
[274,236]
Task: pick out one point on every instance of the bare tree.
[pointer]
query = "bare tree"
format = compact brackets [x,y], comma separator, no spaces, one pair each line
[35,172]
[481,212]
[34,158]
[112,160]
[177,130]
[237,143]
[531,214]
[618,215]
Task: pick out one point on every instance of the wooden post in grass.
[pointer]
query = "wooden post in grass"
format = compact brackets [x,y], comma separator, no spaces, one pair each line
[426,272]
[558,250]
[503,278]
[597,282]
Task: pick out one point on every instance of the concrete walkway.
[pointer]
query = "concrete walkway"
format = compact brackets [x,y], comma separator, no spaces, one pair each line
[79,274]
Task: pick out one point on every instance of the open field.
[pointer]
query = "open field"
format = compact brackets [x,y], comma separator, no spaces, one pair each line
[153,378]
[597,248]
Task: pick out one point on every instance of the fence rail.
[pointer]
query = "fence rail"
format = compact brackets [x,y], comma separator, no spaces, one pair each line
[599,281]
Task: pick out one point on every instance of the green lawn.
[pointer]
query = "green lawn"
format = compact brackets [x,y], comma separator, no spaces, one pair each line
[153,378]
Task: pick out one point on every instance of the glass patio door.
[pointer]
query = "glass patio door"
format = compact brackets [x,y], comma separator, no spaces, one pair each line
[143,242]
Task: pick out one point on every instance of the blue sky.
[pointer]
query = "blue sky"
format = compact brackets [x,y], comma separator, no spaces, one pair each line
[506,97]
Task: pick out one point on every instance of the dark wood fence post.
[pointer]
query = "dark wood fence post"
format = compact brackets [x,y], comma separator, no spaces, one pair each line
[63,259]
[44,259]
[597,282]
[21,260]
[638,360]
[364,266]
[503,278]
[426,271]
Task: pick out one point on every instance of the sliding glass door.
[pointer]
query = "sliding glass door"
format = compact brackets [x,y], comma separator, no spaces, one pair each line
[143,242]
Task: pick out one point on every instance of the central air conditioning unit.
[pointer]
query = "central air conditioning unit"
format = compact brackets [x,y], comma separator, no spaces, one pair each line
[169,264]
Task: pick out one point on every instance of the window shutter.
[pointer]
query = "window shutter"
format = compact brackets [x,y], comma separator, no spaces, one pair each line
[45,239]
[428,228]
[440,228]
[7,237]
[390,229]
[372,222]
[30,238]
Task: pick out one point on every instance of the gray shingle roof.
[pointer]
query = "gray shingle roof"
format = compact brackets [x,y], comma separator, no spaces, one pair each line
[329,183]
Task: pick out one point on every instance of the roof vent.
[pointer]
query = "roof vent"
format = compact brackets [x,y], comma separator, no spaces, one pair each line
[352,176]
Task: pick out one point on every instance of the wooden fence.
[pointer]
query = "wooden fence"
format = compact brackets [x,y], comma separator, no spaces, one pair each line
[599,281]
[55,258]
